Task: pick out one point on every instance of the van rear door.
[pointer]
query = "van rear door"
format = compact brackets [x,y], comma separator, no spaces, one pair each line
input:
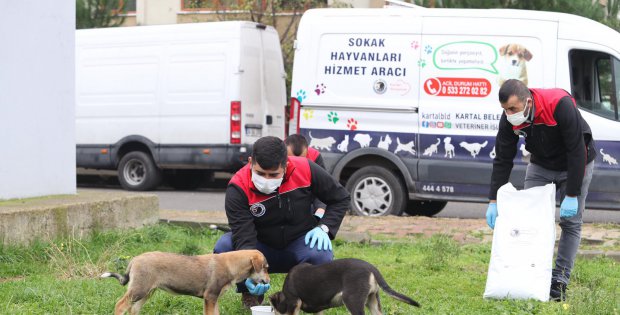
[274,86]
[262,87]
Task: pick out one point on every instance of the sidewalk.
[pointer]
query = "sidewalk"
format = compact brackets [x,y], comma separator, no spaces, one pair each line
[597,239]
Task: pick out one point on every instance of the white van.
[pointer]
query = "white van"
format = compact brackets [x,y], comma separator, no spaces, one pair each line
[177,100]
[402,103]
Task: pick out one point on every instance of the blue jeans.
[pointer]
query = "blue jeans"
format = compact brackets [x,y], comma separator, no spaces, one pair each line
[279,260]
[570,238]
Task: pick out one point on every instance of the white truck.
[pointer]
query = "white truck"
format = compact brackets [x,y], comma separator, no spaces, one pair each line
[179,101]
[402,103]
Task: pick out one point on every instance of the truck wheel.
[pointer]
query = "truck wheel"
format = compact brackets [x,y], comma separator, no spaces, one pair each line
[137,171]
[426,208]
[187,179]
[376,191]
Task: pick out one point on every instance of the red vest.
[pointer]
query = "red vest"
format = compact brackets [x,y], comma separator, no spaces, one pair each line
[545,101]
[312,154]
[297,176]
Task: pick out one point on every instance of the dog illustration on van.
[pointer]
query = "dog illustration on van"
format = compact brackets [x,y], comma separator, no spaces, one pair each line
[407,147]
[384,143]
[512,63]
[473,148]
[363,139]
[432,148]
[321,143]
[608,158]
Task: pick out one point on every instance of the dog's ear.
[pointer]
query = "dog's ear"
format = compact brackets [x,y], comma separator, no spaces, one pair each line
[503,50]
[527,54]
[257,262]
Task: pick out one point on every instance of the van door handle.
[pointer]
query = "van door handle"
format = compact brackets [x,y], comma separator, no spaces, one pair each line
[269,120]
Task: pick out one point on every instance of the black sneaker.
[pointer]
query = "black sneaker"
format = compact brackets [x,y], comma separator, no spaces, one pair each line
[558,291]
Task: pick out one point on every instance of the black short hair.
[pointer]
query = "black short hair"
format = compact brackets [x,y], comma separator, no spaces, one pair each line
[297,143]
[513,87]
[269,152]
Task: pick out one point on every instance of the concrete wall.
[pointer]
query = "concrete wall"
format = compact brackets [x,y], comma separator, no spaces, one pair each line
[37,98]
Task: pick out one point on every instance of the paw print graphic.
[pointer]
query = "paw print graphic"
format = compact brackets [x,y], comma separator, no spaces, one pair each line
[415,44]
[352,124]
[421,63]
[308,114]
[301,95]
[333,117]
[428,49]
[320,89]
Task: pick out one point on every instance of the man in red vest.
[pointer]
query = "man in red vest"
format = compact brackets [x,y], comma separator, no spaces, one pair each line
[297,145]
[562,150]
[267,205]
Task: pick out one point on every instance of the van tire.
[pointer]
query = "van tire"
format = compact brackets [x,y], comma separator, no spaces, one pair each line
[427,208]
[187,179]
[137,171]
[376,179]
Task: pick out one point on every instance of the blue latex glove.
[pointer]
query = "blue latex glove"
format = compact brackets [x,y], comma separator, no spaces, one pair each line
[256,289]
[569,207]
[320,238]
[492,214]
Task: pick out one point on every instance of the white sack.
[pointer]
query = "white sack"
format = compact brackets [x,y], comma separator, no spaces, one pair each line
[523,242]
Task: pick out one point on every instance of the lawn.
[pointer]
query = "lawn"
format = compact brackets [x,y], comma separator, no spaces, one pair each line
[446,278]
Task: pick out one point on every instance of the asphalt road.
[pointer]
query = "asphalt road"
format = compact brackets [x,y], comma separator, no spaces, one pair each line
[212,199]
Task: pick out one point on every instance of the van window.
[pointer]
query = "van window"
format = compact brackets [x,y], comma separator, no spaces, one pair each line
[594,82]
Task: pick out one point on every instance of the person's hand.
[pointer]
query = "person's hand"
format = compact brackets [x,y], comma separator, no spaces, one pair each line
[569,207]
[256,289]
[492,214]
[320,238]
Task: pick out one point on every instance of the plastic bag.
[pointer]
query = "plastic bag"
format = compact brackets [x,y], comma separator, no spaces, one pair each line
[523,242]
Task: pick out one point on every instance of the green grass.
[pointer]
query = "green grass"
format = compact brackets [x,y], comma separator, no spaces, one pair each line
[445,277]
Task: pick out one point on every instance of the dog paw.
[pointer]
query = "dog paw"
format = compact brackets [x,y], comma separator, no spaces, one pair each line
[421,63]
[301,95]
[352,124]
[428,49]
[415,44]
[308,114]
[333,117]
[320,89]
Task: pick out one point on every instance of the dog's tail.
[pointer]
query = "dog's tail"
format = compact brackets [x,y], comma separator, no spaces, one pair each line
[222,228]
[123,279]
[484,144]
[386,288]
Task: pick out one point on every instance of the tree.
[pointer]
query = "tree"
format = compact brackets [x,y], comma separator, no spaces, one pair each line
[283,15]
[99,13]
[607,14]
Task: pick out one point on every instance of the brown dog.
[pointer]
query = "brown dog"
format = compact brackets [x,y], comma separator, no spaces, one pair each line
[203,276]
[512,64]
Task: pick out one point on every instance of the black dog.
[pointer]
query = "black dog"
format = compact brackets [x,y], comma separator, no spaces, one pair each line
[351,282]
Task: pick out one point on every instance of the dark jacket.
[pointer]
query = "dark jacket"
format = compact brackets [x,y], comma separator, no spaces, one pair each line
[559,140]
[281,217]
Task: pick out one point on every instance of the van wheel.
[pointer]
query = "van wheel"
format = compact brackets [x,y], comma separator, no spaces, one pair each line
[426,208]
[376,191]
[138,172]
[187,179]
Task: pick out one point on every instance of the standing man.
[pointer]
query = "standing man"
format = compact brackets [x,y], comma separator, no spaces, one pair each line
[562,151]
[267,204]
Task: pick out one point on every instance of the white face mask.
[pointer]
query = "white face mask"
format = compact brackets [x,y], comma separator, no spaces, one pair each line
[264,185]
[519,118]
